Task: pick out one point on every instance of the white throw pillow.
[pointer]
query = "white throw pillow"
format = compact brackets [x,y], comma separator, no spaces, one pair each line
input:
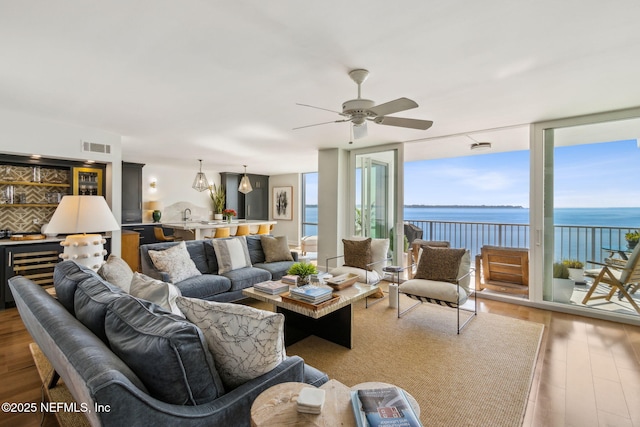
[156,291]
[231,254]
[245,342]
[117,272]
[176,262]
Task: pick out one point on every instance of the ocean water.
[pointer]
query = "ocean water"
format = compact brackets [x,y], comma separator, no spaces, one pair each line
[602,217]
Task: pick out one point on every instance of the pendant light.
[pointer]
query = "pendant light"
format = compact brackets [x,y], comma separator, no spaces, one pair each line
[245,185]
[200,182]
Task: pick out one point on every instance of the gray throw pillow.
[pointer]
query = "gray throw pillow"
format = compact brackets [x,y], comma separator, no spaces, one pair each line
[439,264]
[117,272]
[357,253]
[168,353]
[275,248]
[156,291]
[232,254]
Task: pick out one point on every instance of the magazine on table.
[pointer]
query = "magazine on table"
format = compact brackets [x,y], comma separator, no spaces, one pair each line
[378,407]
[271,287]
[311,293]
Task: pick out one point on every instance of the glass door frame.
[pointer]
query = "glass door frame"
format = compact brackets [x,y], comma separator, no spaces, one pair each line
[397,199]
[541,208]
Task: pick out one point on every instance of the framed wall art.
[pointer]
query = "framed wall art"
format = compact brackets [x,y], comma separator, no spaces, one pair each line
[283,203]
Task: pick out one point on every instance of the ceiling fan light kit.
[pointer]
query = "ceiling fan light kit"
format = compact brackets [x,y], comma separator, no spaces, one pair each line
[479,146]
[358,111]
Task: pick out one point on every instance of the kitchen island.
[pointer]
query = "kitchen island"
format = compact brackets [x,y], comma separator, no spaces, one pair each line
[196,230]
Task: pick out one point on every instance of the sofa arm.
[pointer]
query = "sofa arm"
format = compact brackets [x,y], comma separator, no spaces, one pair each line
[294,255]
[233,408]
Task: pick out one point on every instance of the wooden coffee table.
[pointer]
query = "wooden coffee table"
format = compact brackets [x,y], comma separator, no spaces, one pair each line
[333,322]
[277,406]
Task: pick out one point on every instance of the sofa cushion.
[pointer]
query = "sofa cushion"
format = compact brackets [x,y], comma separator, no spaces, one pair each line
[435,290]
[231,253]
[246,277]
[175,261]
[66,277]
[245,342]
[117,272]
[440,264]
[168,353]
[256,253]
[92,297]
[204,286]
[277,269]
[275,248]
[357,253]
[156,291]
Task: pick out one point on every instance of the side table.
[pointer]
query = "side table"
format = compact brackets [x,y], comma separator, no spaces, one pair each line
[277,406]
[393,286]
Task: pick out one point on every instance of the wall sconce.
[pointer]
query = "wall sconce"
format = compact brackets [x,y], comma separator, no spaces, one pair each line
[153,184]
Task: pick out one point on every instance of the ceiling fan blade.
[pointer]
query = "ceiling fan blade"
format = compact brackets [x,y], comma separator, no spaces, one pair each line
[323,123]
[404,123]
[400,104]
[320,108]
[360,131]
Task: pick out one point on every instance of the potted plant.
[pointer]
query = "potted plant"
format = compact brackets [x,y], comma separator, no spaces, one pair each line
[632,238]
[303,270]
[218,198]
[229,214]
[562,285]
[576,269]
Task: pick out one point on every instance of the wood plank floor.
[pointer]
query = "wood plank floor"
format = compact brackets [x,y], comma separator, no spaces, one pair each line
[587,373]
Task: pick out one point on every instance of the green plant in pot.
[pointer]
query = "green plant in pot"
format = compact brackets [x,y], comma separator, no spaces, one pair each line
[562,285]
[576,269]
[632,238]
[303,270]
[218,199]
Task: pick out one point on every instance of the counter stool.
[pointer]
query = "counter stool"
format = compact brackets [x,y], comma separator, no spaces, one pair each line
[243,230]
[220,232]
[264,229]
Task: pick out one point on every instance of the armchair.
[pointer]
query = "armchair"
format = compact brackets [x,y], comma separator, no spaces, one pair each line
[443,276]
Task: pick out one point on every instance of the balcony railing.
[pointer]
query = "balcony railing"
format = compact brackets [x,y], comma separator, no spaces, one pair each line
[584,243]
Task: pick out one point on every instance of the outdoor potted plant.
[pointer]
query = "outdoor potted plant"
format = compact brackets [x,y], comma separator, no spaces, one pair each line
[303,270]
[576,269]
[632,238]
[229,214]
[562,285]
[218,198]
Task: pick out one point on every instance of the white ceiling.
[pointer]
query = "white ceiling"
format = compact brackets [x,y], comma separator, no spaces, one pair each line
[190,79]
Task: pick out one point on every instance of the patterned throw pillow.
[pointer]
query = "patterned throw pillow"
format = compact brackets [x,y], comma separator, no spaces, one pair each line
[440,264]
[176,262]
[117,272]
[357,253]
[231,254]
[245,342]
[156,291]
[275,248]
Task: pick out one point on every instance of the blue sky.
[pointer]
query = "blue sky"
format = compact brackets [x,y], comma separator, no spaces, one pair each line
[589,175]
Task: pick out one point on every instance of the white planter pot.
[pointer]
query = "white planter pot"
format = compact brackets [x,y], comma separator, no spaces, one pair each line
[217,217]
[576,274]
[562,290]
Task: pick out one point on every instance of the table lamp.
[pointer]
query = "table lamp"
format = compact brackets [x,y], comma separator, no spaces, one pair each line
[83,214]
[155,206]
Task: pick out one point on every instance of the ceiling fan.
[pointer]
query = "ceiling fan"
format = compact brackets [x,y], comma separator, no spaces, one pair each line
[358,111]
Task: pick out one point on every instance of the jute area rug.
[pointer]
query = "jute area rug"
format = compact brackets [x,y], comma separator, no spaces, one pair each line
[481,377]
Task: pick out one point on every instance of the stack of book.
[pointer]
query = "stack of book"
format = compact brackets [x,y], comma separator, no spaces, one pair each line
[271,287]
[311,294]
[290,279]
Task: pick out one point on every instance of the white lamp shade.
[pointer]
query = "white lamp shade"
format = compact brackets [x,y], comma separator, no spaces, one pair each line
[82,214]
[154,205]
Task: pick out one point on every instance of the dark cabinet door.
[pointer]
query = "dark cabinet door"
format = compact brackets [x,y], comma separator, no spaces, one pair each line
[131,192]
[234,198]
[257,201]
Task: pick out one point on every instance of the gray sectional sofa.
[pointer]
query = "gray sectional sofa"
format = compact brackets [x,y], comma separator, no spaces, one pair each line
[146,365]
[225,287]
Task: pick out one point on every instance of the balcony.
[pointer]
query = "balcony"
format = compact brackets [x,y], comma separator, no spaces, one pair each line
[584,243]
